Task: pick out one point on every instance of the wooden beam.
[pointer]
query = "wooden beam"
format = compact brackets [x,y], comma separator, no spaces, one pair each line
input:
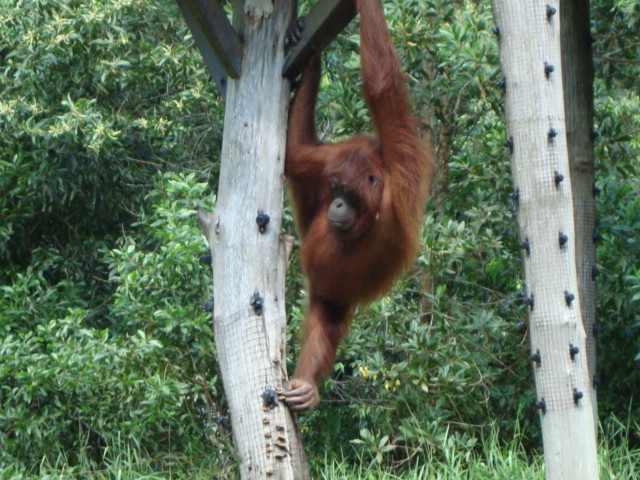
[325,21]
[215,37]
[249,266]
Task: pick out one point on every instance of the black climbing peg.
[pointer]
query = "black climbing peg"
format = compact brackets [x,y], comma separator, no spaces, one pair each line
[541,405]
[577,395]
[558,178]
[257,303]
[206,258]
[537,358]
[262,220]
[509,144]
[573,351]
[548,69]
[208,306]
[562,239]
[515,197]
[569,297]
[529,302]
[270,397]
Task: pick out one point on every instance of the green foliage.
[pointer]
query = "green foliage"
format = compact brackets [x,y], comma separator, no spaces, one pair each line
[616,47]
[107,365]
[95,97]
[617,106]
[494,458]
[145,377]
[618,252]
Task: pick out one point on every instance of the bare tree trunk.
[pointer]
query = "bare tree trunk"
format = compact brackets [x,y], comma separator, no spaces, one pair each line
[577,77]
[529,33]
[249,261]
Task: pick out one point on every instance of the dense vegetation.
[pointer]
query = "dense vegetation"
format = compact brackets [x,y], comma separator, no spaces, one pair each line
[111,135]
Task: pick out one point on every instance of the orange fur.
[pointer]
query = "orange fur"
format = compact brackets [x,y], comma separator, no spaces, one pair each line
[345,271]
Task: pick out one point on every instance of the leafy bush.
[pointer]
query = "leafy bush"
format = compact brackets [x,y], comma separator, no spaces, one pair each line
[96,96]
[147,377]
[618,252]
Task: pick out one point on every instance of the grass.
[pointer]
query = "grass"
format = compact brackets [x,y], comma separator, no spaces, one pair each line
[491,461]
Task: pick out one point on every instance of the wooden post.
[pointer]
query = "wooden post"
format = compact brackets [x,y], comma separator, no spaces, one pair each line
[577,77]
[215,37]
[324,22]
[249,261]
[530,55]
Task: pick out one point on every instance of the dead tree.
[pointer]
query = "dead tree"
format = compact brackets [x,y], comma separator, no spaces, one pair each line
[246,59]
[577,78]
[530,56]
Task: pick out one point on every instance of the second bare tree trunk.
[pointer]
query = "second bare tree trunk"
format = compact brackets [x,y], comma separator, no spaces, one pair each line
[529,32]
[577,77]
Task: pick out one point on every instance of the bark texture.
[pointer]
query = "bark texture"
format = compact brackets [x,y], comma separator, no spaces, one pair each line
[530,55]
[577,78]
[249,265]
